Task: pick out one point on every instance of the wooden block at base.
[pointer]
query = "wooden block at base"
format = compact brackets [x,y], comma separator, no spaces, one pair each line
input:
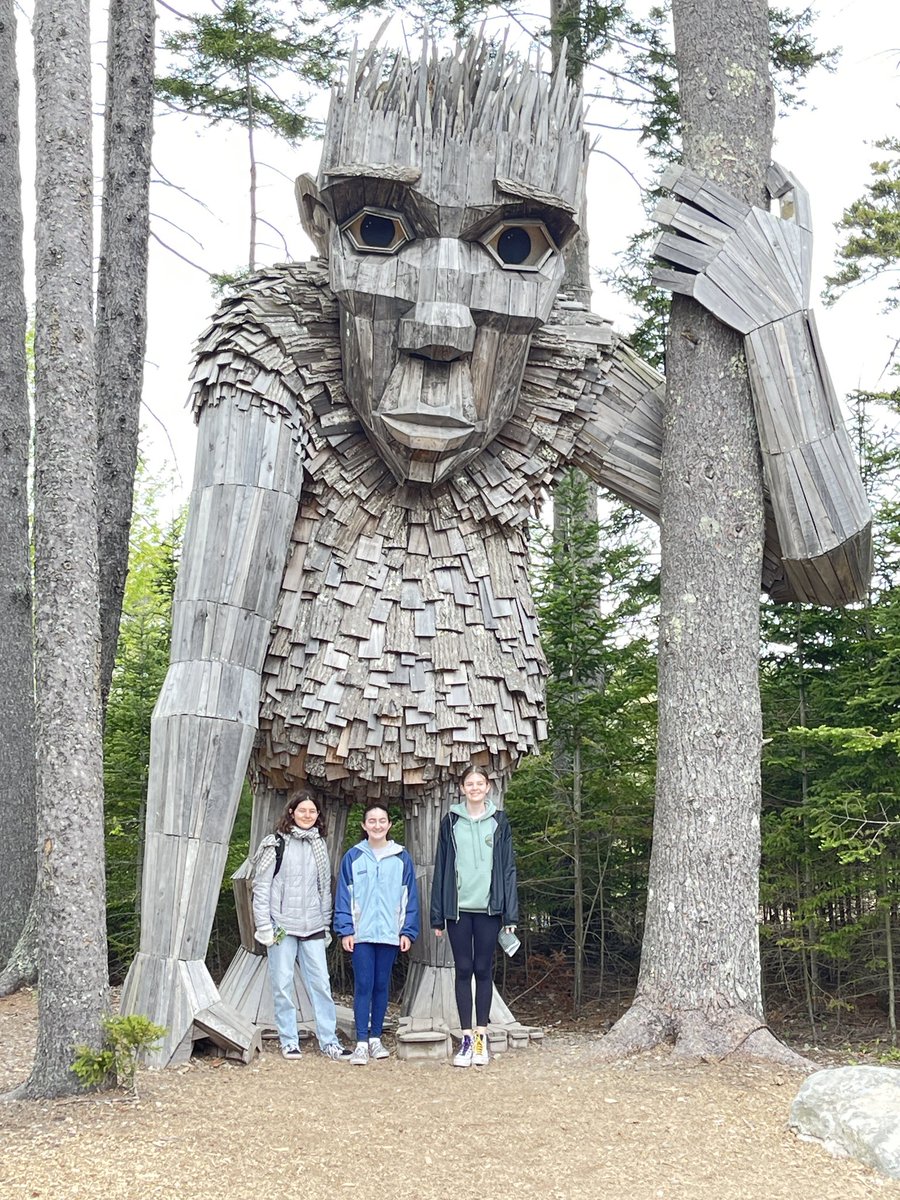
[498,1039]
[518,1036]
[426,1045]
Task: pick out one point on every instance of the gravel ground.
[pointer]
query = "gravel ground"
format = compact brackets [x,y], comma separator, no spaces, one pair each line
[545,1123]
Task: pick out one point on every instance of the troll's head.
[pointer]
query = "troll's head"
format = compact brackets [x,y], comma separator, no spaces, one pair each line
[447,190]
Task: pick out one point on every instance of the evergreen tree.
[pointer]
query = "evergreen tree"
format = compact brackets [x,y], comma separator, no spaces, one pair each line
[699,982]
[584,806]
[17,836]
[142,659]
[121,315]
[231,63]
[871,247]
[831,694]
[71,934]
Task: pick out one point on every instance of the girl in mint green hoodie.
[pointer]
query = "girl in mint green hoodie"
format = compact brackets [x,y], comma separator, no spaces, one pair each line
[473,896]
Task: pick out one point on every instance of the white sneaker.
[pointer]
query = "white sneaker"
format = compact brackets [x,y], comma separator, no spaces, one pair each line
[290,1052]
[480,1054]
[360,1055]
[336,1051]
[377,1049]
[464,1054]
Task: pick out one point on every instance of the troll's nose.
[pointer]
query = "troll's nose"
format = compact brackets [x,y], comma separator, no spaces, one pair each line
[437,329]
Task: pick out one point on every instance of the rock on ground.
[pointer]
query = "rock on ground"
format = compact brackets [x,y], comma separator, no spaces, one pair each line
[853,1111]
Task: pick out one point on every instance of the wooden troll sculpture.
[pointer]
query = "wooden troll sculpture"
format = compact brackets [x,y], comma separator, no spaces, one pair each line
[353,609]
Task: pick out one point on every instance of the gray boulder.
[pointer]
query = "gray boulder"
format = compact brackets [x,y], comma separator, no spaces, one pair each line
[853,1111]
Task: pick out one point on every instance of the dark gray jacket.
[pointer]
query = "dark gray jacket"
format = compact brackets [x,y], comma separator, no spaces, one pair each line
[504,899]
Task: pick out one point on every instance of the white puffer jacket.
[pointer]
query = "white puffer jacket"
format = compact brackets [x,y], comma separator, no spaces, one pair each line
[298,898]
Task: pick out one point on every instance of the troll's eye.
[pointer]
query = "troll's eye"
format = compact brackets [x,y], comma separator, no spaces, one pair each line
[377,231]
[520,245]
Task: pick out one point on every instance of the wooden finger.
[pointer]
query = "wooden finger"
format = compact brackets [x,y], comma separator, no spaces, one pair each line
[705,195]
[685,218]
[683,252]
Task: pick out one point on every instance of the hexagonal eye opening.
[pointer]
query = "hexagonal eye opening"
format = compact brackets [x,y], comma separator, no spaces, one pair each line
[520,245]
[377,231]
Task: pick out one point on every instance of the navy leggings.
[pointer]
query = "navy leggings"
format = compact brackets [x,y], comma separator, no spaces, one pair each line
[472,939]
[372,965]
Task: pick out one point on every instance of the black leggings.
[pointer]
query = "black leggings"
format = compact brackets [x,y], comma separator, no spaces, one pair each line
[472,939]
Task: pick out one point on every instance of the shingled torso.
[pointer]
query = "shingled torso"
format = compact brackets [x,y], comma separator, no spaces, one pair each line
[405,639]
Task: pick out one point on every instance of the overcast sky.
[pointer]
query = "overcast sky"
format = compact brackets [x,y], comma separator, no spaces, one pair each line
[827,144]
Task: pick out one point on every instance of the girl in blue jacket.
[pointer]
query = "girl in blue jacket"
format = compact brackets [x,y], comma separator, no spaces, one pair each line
[376,911]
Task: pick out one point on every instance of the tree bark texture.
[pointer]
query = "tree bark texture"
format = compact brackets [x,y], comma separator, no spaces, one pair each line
[700,973]
[17,841]
[71,913]
[21,964]
[121,332]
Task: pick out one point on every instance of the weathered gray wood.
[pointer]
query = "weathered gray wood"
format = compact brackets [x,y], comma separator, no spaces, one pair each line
[810,472]
[206,716]
[752,271]
[220,1024]
[394,567]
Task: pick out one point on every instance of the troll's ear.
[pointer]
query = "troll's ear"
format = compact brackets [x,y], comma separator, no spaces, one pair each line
[313,215]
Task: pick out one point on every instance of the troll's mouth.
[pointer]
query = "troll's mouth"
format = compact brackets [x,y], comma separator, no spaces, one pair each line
[428,430]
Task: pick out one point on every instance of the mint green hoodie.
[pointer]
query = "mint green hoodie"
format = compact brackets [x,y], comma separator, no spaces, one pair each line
[474,840]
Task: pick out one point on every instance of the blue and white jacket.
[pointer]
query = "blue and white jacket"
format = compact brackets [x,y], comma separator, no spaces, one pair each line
[377,899]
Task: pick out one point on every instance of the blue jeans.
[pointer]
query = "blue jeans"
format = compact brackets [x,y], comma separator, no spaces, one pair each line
[314,973]
[372,966]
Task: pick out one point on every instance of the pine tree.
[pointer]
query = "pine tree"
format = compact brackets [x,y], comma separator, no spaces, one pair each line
[699,982]
[17,838]
[586,802]
[121,325]
[142,659]
[231,64]
[71,911]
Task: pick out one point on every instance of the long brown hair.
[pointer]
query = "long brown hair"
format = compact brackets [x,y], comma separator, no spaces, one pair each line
[286,820]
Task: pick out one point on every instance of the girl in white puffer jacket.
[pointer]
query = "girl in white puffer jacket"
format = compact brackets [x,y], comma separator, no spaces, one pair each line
[292,912]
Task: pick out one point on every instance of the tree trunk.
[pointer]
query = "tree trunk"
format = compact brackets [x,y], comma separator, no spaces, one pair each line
[577,878]
[71,909]
[565,20]
[21,965]
[122,298]
[17,841]
[887,894]
[251,265]
[699,982]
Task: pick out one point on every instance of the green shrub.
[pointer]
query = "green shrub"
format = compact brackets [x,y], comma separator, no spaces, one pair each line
[126,1037]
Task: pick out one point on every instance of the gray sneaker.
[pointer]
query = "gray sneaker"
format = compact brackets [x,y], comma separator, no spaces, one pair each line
[377,1049]
[336,1051]
[290,1052]
[464,1054]
[360,1055]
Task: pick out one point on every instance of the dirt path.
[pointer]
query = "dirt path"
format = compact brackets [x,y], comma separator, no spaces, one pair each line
[540,1123]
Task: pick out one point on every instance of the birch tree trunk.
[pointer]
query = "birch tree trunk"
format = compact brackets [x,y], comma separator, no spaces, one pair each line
[17,845]
[71,910]
[121,332]
[699,981]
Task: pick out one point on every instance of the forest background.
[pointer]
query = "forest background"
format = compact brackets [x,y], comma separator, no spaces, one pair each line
[830,904]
